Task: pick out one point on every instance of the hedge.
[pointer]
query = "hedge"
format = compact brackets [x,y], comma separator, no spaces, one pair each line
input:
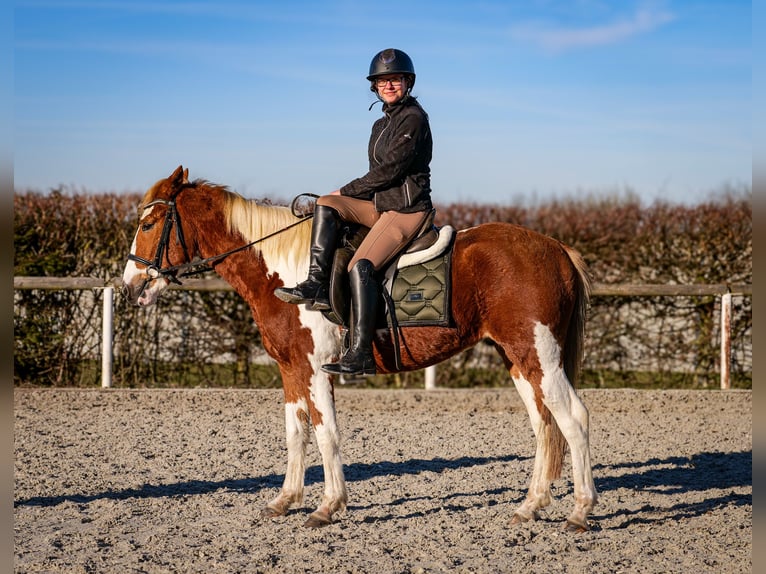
[209,338]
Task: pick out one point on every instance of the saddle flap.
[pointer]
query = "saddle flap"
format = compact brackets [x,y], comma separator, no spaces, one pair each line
[340,292]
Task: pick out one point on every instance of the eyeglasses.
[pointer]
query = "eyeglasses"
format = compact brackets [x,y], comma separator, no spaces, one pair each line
[381,83]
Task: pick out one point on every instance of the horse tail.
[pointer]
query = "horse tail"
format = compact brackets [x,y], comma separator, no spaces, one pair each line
[554,445]
[575,338]
[552,437]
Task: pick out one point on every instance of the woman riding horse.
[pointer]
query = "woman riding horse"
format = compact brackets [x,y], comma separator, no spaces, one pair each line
[393,199]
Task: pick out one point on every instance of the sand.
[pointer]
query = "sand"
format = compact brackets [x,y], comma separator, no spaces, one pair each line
[173,481]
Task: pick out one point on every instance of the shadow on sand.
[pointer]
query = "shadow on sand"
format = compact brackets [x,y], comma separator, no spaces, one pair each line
[668,476]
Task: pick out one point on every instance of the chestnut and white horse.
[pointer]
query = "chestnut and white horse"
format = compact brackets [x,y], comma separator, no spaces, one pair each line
[525,292]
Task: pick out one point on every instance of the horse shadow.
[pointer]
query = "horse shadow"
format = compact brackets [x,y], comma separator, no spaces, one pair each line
[314,475]
[667,476]
[705,471]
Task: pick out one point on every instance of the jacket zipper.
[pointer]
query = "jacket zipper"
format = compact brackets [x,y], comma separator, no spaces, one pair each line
[380,135]
[375,155]
[407,197]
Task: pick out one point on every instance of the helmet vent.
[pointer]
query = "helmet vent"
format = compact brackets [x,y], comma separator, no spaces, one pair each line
[387,56]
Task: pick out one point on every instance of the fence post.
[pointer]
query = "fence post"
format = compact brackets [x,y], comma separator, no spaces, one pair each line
[431,377]
[107,328]
[726,341]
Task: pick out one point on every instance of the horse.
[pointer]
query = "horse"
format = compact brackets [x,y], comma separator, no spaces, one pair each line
[524,292]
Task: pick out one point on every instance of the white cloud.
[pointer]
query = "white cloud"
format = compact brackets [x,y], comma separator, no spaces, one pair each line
[561,38]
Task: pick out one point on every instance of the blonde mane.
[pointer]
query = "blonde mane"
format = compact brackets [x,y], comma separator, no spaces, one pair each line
[255,221]
[289,245]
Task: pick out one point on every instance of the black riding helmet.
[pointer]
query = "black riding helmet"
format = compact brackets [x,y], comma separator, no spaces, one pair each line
[391,61]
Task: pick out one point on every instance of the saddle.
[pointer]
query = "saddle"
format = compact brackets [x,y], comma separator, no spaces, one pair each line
[415,285]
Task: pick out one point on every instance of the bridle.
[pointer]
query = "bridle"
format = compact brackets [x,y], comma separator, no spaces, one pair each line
[154,268]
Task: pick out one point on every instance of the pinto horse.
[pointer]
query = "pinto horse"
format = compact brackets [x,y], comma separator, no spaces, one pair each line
[525,292]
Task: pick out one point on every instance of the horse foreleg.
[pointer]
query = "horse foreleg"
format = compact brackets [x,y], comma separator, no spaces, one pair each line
[539,493]
[328,440]
[297,433]
[335,496]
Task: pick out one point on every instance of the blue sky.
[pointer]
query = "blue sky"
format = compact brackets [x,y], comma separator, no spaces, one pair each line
[528,100]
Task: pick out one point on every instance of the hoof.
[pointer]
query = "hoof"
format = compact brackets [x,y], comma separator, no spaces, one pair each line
[519,518]
[317,520]
[576,527]
[270,512]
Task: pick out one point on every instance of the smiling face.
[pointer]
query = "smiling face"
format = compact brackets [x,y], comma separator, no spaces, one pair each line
[391,87]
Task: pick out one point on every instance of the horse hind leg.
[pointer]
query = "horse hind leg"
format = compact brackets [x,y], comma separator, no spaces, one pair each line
[549,453]
[572,417]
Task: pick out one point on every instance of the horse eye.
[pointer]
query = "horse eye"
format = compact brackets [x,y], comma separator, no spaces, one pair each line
[147,226]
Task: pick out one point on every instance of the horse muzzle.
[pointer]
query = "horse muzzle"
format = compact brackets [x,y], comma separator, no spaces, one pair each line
[143,292]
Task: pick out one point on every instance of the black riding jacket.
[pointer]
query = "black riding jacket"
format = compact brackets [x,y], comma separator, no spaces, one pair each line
[400,153]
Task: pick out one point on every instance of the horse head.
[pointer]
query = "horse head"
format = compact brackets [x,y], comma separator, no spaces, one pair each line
[159,248]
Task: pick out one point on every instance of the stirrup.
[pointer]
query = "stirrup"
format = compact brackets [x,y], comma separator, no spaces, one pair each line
[319,305]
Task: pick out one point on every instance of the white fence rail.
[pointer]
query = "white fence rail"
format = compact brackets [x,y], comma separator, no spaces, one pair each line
[725,291]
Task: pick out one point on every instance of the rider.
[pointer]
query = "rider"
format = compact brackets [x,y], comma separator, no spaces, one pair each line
[393,199]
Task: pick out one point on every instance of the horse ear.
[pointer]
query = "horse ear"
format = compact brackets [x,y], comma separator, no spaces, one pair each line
[186,176]
[177,177]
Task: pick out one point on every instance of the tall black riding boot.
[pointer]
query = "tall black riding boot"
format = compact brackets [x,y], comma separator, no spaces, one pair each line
[359,360]
[315,290]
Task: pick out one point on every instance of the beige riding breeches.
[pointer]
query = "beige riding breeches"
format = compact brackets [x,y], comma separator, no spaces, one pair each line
[389,232]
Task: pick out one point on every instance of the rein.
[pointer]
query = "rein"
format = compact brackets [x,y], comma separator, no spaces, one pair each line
[154,269]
